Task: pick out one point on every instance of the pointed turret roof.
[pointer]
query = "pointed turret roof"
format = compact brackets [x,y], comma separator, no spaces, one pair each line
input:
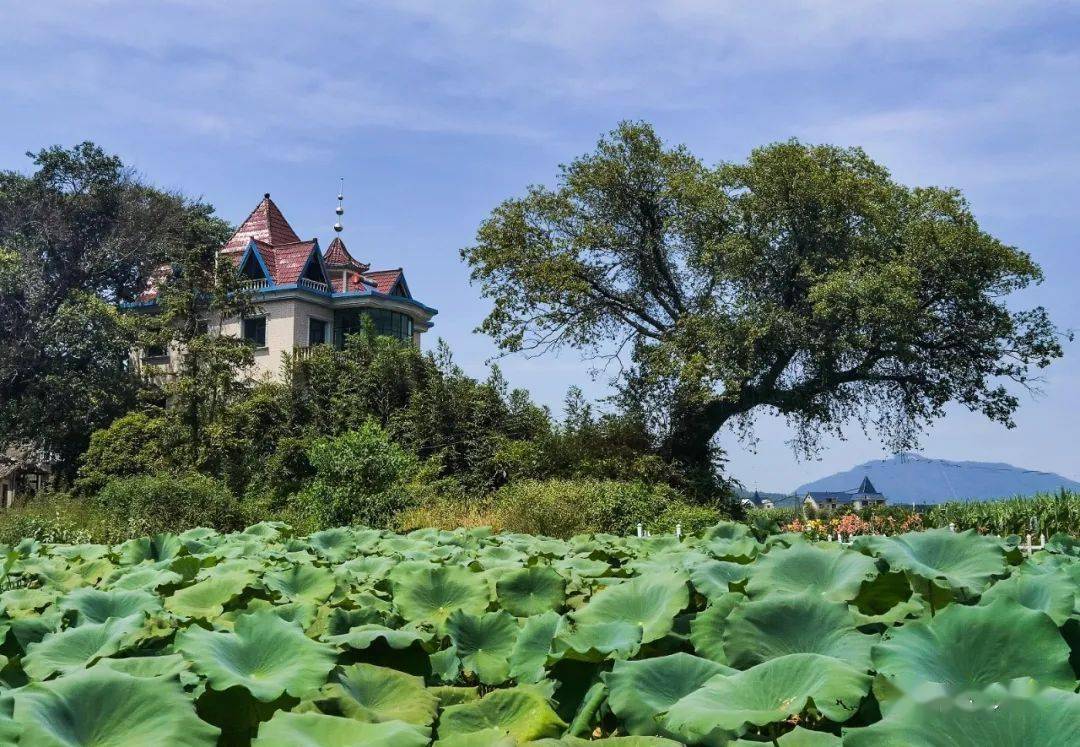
[265,224]
[866,487]
[337,256]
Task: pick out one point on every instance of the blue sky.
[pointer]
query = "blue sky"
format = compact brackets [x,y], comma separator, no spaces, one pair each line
[434,112]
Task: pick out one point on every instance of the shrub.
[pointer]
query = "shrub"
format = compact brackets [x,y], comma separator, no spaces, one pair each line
[360,478]
[563,508]
[148,504]
[136,444]
[692,518]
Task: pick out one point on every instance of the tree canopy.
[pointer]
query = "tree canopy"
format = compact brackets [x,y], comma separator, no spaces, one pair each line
[804,280]
[77,235]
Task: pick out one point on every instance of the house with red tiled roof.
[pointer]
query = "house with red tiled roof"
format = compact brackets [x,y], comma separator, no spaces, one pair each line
[305,296]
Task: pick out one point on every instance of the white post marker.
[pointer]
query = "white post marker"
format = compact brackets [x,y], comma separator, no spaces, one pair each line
[639,534]
[678,531]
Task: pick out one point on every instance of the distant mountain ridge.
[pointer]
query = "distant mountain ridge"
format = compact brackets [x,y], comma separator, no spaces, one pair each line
[914,478]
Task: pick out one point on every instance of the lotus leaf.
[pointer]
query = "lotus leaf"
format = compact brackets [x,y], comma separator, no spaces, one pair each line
[366,692]
[641,690]
[154,549]
[287,729]
[777,625]
[95,606]
[533,647]
[75,648]
[484,643]
[363,636]
[101,708]
[264,654]
[424,592]
[302,582]
[521,712]
[168,665]
[207,598]
[967,648]
[599,640]
[149,578]
[650,602]
[1053,594]
[715,577]
[772,691]
[707,628]
[834,573]
[1050,717]
[531,591]
[964,561]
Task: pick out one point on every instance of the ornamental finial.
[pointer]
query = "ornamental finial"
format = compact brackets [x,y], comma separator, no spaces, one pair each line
[340,210]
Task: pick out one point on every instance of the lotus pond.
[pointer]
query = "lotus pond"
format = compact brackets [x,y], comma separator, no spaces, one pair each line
[363,637]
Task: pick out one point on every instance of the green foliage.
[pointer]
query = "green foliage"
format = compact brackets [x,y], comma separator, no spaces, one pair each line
[360,478]
[135,444]
[1045,513]
[562,508]
[53,517]
[79,234]
[804,279]
[357,636]
[163,502]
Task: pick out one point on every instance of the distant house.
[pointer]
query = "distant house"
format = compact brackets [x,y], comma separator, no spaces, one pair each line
[757,501]
[861,497]
[306,297]
[22,473]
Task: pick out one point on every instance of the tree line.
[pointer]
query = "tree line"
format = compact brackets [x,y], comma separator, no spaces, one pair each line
[803,281]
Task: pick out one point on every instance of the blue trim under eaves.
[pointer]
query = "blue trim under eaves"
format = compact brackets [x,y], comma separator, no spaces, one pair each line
[377,294]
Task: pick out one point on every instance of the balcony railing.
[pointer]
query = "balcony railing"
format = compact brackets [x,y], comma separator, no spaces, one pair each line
[262,284]
[314,285]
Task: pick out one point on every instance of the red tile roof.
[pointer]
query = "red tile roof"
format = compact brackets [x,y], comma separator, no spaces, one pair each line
[355,282]
[286,262]
[385,280]
[267,224]
[337,255]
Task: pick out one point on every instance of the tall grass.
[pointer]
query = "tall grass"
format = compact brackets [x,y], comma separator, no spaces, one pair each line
[1047,513]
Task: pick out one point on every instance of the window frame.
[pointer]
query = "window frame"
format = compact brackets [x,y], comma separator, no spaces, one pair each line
[326,327]
[258,344]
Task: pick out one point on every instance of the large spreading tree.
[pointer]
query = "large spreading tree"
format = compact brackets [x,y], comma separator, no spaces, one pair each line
[78,235]
[805,281]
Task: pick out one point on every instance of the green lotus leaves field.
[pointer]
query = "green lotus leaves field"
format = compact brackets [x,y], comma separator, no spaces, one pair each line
[355,636]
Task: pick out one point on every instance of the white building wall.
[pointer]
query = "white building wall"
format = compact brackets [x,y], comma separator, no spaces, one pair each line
[303,312]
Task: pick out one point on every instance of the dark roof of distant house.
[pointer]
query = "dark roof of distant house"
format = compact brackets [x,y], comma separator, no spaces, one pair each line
[865,490]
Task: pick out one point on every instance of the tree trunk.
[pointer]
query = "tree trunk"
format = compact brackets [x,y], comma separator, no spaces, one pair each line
[689,443]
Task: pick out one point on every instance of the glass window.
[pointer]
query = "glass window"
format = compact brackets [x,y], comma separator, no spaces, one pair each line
[389,323]
[255,331]
[316,331]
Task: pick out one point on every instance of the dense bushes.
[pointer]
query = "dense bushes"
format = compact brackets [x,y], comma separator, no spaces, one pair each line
[148,504]
[360,477]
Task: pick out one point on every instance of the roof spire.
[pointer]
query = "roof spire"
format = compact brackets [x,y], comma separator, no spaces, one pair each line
[340,210]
